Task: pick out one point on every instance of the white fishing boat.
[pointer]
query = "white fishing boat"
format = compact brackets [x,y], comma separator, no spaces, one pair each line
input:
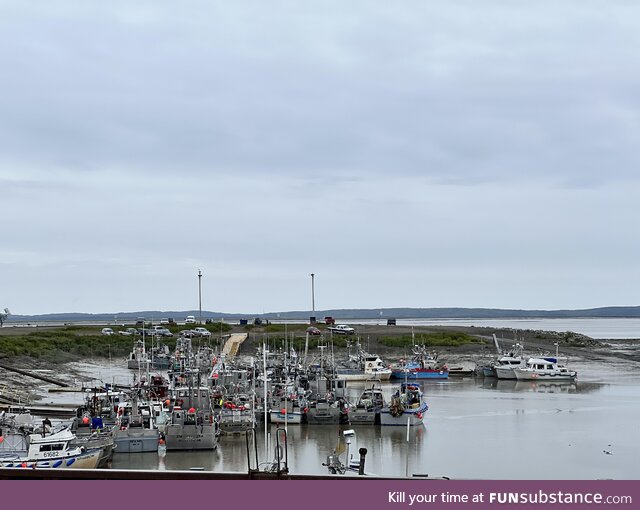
[363,366]
[507,363]
[51,451]
[545,369]
[139,357]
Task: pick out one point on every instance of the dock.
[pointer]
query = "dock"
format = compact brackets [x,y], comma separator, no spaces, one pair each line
[53,410]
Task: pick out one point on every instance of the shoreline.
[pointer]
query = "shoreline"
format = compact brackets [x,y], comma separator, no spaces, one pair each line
[570,345]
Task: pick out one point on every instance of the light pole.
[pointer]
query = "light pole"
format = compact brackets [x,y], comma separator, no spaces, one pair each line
[200,294]
[312,319]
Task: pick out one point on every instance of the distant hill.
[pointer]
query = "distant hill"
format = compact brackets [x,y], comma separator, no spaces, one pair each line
[349,313]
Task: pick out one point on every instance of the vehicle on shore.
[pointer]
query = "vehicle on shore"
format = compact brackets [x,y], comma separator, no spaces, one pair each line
[190,319]
[342,329]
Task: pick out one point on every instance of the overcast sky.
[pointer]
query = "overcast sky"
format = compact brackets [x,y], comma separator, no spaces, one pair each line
[409,153]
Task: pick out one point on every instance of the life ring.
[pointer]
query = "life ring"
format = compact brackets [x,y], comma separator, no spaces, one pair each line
[370,365]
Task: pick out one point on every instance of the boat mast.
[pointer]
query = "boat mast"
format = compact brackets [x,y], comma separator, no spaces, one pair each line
[266,425]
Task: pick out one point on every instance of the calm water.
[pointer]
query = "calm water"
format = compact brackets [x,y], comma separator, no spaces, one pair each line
[475,428]
[595,328]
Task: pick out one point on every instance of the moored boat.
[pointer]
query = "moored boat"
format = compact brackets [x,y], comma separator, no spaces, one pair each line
[51,451]
[545,369]
[407,405]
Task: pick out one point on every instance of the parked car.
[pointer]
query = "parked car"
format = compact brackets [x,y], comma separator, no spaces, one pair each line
[313,330]
[125,332]
[162,331]
[202,332]
[190,319]
[187,333]
[108,331]
[329,321]
[164,322]
[342,329]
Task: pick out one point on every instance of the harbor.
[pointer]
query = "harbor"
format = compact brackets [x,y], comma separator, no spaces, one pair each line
[314,427]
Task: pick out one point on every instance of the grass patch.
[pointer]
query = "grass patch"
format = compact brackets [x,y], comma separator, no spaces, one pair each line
[440,339]
[82,342]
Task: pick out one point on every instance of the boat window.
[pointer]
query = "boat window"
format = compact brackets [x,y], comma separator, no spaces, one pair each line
[57,447]
[540,367]
[45,448]
[549,367]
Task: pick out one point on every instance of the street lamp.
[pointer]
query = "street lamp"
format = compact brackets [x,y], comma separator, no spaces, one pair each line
[312,319]
[200,294]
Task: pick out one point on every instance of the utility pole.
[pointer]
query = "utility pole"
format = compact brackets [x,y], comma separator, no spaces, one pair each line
[200,294]
[312,319]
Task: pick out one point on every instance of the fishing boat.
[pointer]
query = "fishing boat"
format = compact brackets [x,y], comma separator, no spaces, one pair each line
[545,369]
[139,357]
[192,424]
[136,429]
[327,402]
[407,405]
[423,365]
[363,366]
[507,363]
[289,405]
[366,410]
[91,433]
[51,451]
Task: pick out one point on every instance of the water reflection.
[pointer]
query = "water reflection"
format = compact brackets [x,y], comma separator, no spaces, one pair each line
[507,385]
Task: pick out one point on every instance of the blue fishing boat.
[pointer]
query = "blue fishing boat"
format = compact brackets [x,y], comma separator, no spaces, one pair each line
[422,366]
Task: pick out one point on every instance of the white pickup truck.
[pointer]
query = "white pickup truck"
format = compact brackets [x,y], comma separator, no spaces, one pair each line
[342,329]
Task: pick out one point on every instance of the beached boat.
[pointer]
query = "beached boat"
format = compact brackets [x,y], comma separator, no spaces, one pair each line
[507,363]
[51,451]
[139,357]
[407,405]
[545,369]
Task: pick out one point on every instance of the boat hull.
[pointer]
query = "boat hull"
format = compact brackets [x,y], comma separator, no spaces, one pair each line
[86,460]
[505,373]
[136,440]
[323,414]
[191,437]
[528,375]
[362,417]
[294,417]
[415,416]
